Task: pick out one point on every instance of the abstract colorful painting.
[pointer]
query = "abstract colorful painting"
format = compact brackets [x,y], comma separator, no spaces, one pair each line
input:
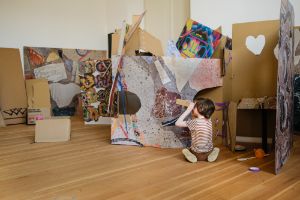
[197,40]
[95,85]
[285,86]
[61,68]
[147,91]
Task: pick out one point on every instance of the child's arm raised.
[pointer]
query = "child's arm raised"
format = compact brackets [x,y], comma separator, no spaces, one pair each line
[180,122]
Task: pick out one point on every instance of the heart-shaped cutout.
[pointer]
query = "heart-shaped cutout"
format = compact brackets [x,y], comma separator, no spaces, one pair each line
[256,45]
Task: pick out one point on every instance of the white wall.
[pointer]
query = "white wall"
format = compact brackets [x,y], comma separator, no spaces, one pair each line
[165,19]
[225,13]
[63,23]
[119,10]
[53,23]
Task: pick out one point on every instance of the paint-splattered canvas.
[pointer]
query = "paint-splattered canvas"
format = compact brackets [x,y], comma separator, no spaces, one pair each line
[61,68]
[285,86]
[297,80]
[148,88]
[95,85]
[197,40]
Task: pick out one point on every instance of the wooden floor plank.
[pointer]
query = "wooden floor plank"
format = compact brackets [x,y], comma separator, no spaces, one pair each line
[89,167]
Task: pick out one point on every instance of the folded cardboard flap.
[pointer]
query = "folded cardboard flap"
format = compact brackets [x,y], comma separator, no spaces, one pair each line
[55,129]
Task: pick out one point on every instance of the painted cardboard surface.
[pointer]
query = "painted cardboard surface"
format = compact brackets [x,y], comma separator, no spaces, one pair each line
[61,68]
[95,86]
[254,76]
[197,40]
[11,84]
[285,86]
[154,123]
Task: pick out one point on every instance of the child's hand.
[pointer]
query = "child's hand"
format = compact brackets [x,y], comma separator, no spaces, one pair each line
[191,106]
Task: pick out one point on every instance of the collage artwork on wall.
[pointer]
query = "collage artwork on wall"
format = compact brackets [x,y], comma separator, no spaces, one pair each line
[61,68]
[95,85]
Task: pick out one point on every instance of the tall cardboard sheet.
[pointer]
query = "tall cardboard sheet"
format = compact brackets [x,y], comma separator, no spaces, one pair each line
[13,101]
[285,86]
[254,75]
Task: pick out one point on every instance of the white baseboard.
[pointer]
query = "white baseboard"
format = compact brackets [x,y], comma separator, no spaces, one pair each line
[251,139]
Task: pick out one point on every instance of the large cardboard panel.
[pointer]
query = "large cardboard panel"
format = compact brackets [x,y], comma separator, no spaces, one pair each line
[285,86]
[13,101]
[158,82]
[254,75]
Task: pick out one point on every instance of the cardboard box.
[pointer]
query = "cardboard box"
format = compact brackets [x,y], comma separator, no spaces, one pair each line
[56,129]
[38,97]
[34,114]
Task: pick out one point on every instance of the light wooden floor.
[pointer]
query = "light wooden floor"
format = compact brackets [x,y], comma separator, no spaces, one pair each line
[88,167]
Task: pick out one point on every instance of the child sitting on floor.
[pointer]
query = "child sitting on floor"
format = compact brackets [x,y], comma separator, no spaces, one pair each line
[200,127]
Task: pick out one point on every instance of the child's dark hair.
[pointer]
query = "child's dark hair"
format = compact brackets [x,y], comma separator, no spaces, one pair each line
[205,107]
